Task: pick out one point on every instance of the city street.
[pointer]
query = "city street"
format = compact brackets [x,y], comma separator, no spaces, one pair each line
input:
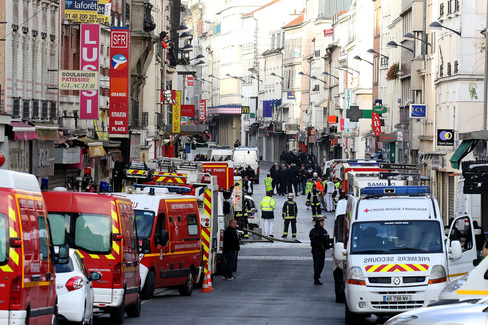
[274,284]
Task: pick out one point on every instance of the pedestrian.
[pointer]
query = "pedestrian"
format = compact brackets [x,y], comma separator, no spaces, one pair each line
[289,213]
[231,247]
[268,184]
[251,175]
[330,188]
[237,143]
[283,175]
[302,179]
[319,240]
[267,206]
[274,175]
[314,199]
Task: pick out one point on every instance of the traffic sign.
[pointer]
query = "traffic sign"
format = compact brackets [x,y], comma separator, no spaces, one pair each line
[399,166]
[387,175]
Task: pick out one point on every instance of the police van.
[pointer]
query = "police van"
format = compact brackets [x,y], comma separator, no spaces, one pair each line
[395,253]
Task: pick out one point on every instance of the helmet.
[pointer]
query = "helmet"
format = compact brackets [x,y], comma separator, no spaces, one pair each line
[315,174]
[321,218]
[290,195]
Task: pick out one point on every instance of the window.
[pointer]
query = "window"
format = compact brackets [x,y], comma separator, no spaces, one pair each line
[441,10]
[16,107]
[448,68]
[3,238]
[396,237]
[160,225]
[43,238]
[57,221]
[441,70]
[93,232]
[449,7]
[44,111]
[192,224]
[456,6]
[53,111]
[35,108]
[144,223]
[133,234]
[462,231]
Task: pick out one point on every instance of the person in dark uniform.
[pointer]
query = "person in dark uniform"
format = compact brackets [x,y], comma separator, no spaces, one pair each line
[283,176]
[319,240]
[274,175]
[314,198]
[242,217]
[231,247]
[290,211]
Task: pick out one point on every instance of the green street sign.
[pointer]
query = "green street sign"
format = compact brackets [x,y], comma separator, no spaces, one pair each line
[379,109]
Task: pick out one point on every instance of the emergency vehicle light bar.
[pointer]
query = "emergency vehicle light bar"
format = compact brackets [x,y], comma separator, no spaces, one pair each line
[395,191]
[171,188]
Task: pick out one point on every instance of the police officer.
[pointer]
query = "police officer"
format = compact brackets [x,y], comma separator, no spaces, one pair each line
[268,183]
[319,240]
[314,199]
[243,215]
[290,211]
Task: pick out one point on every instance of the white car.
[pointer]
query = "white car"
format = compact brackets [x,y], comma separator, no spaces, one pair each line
[465,313]
[74,290]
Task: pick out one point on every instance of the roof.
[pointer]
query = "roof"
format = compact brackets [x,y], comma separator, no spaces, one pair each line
[261,8]
[296,21]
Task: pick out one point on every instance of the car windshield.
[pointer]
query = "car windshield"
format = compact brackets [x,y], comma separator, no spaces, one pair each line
[396,237]
[3,238]
[144,223]
[57,222]
[92,232]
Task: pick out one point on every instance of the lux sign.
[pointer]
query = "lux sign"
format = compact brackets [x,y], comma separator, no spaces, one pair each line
[89,61]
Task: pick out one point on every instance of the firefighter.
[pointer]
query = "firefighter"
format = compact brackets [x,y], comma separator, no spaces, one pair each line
[308,188]
[268,183]
[319,240]
[314,199]
[242,217]
[289,213]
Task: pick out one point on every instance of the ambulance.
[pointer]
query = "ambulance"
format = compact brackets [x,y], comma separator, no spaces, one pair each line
[102,229]
[357,180]
[396,254]
[27,278]
[168,228]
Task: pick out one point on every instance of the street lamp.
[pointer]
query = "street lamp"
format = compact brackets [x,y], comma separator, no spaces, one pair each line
[342,69]
[393,44]
[346,67]
[253,77]
[437,26]
[315,78]
[274,74]
[187,48]
[182,28]
[304,74]
[200,62]
[374,52]
[411,36]
[235,77]
[357,57]
[212,76]
[328,74]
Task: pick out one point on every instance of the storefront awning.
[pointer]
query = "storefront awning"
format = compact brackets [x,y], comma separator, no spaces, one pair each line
[116,154]
[47,131]
[23,131]
[96,150]
[464,148]
[430,155]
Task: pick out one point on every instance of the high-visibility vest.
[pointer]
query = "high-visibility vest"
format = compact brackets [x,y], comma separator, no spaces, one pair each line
[268,183]
[267,204]
[320,187]
[308,187]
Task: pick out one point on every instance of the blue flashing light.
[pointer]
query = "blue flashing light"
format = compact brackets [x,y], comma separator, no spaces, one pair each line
[395,191]
[44,184]
[103,187]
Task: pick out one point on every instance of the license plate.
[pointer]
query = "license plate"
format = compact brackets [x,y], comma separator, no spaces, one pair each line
[397,298]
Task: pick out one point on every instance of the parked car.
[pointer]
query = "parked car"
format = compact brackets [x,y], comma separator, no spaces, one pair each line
[74,288]
[465,313]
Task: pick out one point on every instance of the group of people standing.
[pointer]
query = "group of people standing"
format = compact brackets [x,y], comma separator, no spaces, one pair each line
[291,178]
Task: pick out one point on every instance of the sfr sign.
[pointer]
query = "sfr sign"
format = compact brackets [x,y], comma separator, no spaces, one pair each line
[119,40]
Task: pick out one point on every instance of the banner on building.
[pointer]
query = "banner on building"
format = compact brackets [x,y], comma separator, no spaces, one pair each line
[88,11]
[176,121]
[418,111]
[445,137]
[376,124]
[267,109]
[78,80]
[89,61]
[190,80]
[188,110]
[202,108]
[119,81]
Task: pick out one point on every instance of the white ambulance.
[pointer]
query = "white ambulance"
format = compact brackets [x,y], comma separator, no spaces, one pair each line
[395,253]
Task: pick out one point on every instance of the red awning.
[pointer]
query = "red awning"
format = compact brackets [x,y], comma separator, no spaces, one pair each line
[23,131]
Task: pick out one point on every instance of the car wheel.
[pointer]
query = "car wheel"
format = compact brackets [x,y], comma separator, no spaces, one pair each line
[187,288]
[117,314]
[148,290]
[135,309]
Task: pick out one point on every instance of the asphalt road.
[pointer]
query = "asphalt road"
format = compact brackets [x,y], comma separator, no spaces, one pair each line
[274,284]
